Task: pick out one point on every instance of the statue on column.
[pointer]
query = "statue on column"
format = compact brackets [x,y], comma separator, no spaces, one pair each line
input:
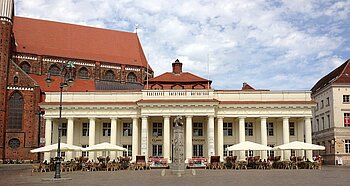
[178,121]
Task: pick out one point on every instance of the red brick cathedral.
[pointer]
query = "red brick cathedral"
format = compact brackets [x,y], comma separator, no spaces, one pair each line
[32,49]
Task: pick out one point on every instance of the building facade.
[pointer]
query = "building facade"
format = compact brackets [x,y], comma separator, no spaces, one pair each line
[114,98]
[31,49]
[331,123]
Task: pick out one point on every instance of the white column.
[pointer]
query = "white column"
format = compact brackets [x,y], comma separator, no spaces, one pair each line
[135,138]
[113,137]
[48,130]
[70,136]
[301,135]
[166,137]
[286,153]
[211,140]
[144,137]
[241,128]
[188,137]
[221,138]
[263,134]
[308,134]
[92,131]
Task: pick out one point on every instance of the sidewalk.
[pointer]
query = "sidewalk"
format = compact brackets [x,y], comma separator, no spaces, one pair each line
[329,175]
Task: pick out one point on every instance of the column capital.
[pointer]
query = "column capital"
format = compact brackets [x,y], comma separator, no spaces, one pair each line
[70,118]
[166,117]
[285,117]
[135,117]
[189,116]
[48,118]
[211,116]
[114,118]
[92,118]
[143,117]
[263,117]
[242,117]
[220,117]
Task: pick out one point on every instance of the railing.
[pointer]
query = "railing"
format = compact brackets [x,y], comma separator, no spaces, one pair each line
[177,94]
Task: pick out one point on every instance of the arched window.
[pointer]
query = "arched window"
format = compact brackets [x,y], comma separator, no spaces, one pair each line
[83,73]
[109,75]
[54,70]
[15,111]
[25,66]
[131,77]
[15,80]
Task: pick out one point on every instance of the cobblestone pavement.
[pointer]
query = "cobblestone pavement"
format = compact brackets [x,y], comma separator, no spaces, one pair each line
[329,175]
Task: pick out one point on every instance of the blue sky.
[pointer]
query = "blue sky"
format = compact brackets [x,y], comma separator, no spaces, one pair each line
[270,44]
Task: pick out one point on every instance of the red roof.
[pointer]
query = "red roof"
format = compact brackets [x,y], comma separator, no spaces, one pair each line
[340,75]
[79,85]
[50,38]
[177,78]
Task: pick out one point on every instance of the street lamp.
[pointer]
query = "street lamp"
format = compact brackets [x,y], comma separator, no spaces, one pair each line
[66,78]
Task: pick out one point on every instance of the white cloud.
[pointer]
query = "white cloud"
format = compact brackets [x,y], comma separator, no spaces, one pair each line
[269,44]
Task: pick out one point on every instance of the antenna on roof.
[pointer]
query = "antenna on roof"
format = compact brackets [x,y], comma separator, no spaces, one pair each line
[136,27]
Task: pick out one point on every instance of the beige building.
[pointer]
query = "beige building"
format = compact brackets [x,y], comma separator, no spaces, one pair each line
[213,119]
[331,122]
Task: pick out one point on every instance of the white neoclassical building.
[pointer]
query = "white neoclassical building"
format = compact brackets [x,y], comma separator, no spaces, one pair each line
[142,121]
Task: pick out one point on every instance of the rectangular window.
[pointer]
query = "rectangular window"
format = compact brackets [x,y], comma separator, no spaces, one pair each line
[227,153]
[318,124]
[129,152]
[269,128]
[327,101]
[197,129]
[85,153]
[198,150]
[322,123]
[249,129]
[127,129]
[106,130]
[227,129]
[347,146]
[64,129]
[346,119]
[346,98]
[157,150]
[271,153]
[329,121]
[249,153]
[157,129]
[322,104]
[85,129]
[291,129]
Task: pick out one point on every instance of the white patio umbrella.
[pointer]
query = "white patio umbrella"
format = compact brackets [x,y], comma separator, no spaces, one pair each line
[298,145]
[248,145]
[53,147]
[104,147]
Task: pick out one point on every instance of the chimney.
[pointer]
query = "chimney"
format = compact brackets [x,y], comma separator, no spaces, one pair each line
[177,67]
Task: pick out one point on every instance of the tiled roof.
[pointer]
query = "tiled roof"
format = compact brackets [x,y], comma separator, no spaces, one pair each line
[79,85]
[110,85]
[178,78]
[246,86]
[339,75]
[50,38]
[267,102]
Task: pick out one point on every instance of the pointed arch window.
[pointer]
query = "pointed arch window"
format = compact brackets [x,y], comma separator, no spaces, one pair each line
[54,70]
[83,73]
[15,113]
[25,66]
[131,77]
[109,75]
